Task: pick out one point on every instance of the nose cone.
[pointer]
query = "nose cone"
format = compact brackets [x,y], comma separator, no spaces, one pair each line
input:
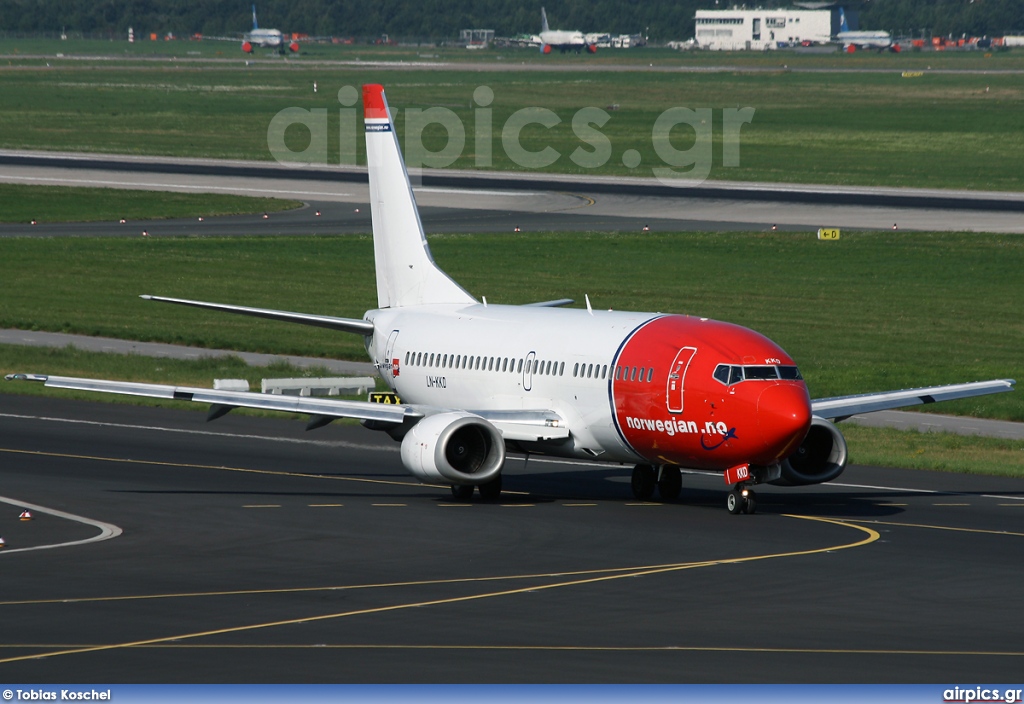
[783,418]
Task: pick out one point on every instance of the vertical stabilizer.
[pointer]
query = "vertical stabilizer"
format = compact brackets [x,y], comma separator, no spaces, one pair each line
[543,20]
[254,25]
[843,26]
[406,273]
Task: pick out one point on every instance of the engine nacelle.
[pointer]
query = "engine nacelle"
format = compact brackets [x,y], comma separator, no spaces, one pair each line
[820,458]
[454,448]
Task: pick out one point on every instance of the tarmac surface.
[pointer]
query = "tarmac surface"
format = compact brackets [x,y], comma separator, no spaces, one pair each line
[248,550]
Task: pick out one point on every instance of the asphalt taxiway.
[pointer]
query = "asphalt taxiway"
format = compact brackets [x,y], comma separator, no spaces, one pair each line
[253,551]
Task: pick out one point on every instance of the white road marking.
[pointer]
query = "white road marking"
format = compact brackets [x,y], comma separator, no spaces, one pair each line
[107,530]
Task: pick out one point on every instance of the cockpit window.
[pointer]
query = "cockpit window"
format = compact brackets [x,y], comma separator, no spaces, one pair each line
[722,373]
[734,374]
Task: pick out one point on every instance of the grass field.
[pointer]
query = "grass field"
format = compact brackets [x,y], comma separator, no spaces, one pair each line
[870,126]
[871,312]
[57,204]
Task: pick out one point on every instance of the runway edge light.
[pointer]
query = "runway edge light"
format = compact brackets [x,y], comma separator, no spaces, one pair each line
[828,233]
[26,515]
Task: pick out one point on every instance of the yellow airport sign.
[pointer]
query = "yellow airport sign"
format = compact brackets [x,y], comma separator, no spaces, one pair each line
[386,397]
[828,233]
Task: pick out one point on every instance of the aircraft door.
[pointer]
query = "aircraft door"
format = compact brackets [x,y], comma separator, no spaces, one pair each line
[390,368]
[531,359]
[676,377]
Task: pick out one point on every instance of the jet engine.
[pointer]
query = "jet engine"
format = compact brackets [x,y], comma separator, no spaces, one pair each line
[454,448]
[820,458]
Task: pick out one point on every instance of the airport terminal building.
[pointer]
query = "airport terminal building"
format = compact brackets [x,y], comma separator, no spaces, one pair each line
[761,29]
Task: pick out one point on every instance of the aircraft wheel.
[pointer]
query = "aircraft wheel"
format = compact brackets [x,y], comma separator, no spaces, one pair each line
[643,482]
[462,492]
[734,502]
[750,506]
[670,484]
[491,491]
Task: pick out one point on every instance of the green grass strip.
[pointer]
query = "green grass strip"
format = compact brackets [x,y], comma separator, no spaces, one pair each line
[20,203]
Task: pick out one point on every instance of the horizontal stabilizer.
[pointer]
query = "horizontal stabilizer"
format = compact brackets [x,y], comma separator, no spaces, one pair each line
[362,327]
[846,406]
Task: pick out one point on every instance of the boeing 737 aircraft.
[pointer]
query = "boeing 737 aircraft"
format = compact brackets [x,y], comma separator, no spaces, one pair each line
[656,391]
[853,40]
[562,39]
[265,38]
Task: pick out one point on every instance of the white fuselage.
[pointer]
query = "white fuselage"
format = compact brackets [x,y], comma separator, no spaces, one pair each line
[563,37]
[491,369]
[265,37]
[866,39]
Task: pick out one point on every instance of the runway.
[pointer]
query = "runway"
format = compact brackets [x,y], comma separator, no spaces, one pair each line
[253,551]
[460,201]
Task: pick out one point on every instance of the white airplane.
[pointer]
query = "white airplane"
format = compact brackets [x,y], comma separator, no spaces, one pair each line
[562,39]
[659,392]
[852,41]
[265,38]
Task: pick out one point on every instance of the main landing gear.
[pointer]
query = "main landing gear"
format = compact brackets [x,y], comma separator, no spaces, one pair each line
[646,478]
[741,500]
[489,491]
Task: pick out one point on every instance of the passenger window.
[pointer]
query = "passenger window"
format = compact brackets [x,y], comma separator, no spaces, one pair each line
[519,367]
[504,364]
[604,371]
[650,375]
[561,369]
[576,369]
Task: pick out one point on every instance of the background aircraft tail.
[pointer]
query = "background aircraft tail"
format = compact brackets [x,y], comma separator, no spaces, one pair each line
[843,26]
[543,20]
[406,272]
[254,25]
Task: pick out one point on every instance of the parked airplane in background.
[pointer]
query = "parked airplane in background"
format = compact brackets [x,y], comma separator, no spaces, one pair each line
[265,38]
[852,41]
[562,39]
[660,392]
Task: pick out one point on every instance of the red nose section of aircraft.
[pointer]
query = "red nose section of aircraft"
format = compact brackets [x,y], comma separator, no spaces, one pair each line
[707,395]
[783,419]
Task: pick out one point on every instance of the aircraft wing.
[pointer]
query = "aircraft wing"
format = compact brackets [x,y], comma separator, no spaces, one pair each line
[526,425]
[843,407]
[363,327]
[324,407]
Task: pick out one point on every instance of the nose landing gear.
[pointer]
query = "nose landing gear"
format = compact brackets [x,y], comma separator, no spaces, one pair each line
[741,500]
